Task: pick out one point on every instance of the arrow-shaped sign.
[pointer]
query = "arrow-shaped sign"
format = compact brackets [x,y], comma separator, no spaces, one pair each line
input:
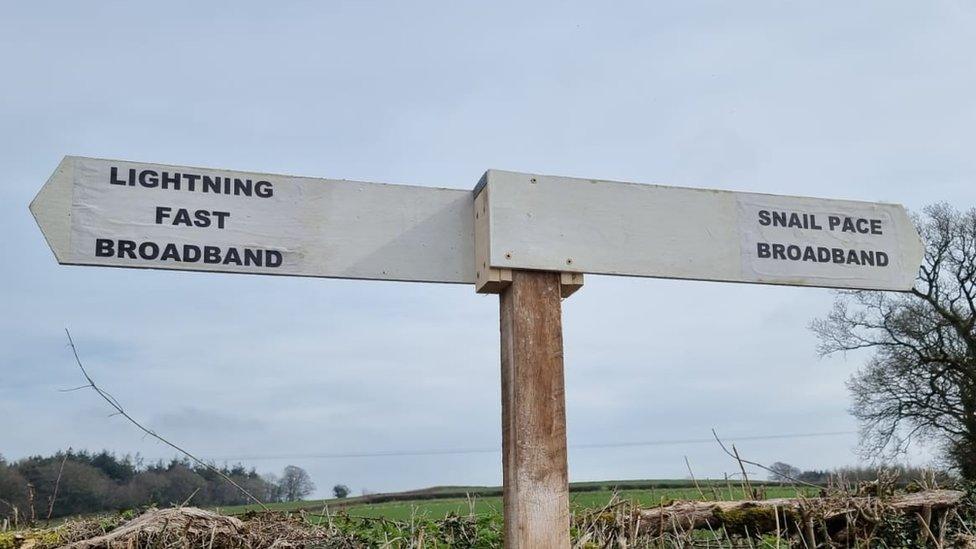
[605,227]
[128,214]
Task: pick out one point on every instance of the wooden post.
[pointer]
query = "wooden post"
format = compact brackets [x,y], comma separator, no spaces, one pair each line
[536,484]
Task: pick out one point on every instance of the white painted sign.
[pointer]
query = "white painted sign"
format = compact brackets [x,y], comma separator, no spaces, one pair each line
[603,227]
[129,214]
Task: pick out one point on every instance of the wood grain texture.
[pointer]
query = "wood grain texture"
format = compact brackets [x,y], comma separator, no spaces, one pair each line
[536,489]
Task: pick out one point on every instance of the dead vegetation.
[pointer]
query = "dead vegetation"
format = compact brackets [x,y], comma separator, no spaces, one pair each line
[927,518]
[931,518]
[183,527]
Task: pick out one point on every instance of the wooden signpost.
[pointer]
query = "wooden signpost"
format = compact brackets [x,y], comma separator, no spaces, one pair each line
[529,238]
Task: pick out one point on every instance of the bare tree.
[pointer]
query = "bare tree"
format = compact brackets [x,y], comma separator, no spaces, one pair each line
[920,381]
[295,483]
[783,472]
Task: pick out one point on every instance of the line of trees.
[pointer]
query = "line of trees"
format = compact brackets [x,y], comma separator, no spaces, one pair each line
[76,482]
[900,474]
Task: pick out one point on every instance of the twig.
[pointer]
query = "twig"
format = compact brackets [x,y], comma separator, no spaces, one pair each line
[187,500]
[924,522]
[30,504]
[15,510]
[760,465]
[746,486]
[120,411]
[776,514]
[693,479]
[57,484]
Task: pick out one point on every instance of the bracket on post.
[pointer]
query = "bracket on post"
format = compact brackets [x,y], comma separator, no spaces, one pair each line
[569,283]
[493,280]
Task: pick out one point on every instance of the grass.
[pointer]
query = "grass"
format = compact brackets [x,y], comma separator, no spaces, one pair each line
[436,519]
[582,496]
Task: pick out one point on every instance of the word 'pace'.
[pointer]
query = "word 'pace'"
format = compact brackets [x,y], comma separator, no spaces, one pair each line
[795,220]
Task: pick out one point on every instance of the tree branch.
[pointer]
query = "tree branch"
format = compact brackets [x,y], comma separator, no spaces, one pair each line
[120,411]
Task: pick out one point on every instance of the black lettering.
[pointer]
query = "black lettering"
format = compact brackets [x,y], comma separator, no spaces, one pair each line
[838,255]
[127,248]
[113,177]
[833,221]
[779,219]
[232,256]
[182,218]
[104,247]
[191,253]
[762,249]
[148,178]
[178,181]
[793,252]
[191,181]
[148,250]
[813,223]
[881,258]
[211,184]
[778,251]
[764,218]
[867,258]
[162,212]
[170,252]
[823,254]
[202,218]
[253,257]
[221,218]
[264,189]
[809,254]
[170,179]
[242,187]
[211,254]
[852,257]
[875,226]
[272,258]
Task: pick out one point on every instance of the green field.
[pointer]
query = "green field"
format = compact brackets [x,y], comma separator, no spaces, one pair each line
[583,496]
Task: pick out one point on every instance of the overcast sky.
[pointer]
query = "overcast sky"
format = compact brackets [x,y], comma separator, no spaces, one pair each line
[868,101]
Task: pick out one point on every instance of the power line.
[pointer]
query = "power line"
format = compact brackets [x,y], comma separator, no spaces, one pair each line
[497,449]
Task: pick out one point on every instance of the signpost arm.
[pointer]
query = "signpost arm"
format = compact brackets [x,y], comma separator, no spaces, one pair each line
[536,486]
